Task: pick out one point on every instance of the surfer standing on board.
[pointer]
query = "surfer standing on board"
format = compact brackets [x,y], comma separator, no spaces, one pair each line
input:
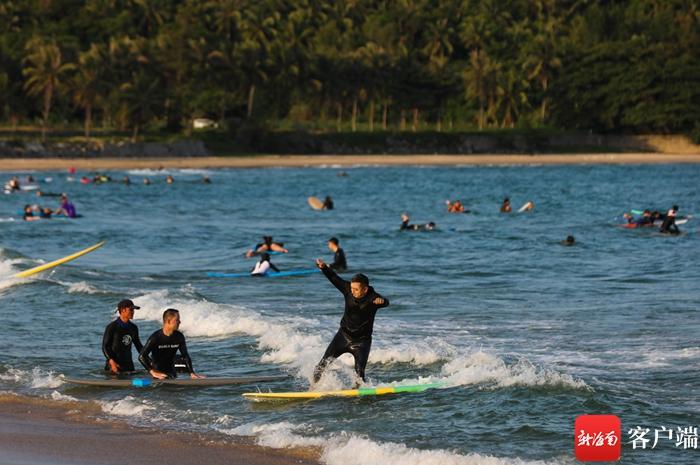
[355,333]
[163,345]
[118,337]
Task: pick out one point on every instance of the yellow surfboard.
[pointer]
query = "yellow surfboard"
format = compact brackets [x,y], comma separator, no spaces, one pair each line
[60,261]
[362,392]
[315,203]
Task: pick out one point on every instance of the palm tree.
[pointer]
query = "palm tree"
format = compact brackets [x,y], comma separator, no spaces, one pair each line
[44,71]
[88,82]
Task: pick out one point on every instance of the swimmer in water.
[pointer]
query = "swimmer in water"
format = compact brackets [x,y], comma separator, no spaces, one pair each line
[505,207]
[339,263]
[569,241]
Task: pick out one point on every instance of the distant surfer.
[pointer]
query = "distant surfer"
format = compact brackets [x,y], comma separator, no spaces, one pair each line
[328,203]
[267,245]
[158,355]
[118,337]
[406,225]
[67,208]
[28,213]
[146,182]
[455,207]
[169,179]
[355,333]
[669,225]
[263,266]
[126,181]
[339,263]
[569,241]
[12,185]
[505,207]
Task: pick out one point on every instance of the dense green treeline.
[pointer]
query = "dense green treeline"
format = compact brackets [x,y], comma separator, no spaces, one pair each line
[346,65]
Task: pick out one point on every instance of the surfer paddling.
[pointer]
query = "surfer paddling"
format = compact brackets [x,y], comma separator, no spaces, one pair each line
[355,333]
[158,355]
[118,338]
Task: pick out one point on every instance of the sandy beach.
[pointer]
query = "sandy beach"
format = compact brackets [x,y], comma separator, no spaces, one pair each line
[36,431]
[270,161]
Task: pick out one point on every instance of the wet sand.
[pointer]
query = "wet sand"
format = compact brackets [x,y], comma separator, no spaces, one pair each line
[270,161]
[36,431]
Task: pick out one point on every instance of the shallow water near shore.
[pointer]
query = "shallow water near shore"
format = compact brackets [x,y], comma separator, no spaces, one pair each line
[526,334]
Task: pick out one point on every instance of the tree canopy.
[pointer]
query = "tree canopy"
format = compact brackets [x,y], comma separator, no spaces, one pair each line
[603,65]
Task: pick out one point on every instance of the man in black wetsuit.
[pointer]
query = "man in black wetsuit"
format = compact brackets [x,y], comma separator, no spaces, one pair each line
[158,355]
[355,333]
[339,263]
[118,337]
[669,225]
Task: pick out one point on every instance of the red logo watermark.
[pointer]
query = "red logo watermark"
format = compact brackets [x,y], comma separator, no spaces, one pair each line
[597,438]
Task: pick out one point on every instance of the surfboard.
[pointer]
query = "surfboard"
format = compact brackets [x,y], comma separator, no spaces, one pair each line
[528,206]
[362,392]
[273,274]
[146,382]
[60,261]
[315,203]
[657,223]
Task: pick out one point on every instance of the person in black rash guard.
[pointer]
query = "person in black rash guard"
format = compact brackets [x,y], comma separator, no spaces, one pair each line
[339,263]
[328,203]
[118,337]
[355,333]
[158,355]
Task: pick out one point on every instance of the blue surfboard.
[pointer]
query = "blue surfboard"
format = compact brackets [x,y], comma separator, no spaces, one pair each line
[273,274]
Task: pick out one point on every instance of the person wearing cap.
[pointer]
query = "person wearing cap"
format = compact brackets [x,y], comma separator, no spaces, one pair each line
[355,333]
[158,355]
[118,337]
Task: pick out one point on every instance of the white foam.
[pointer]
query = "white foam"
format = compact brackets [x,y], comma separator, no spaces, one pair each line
[483,368]
[55,395]
[351,449]
[82,287]
[36,379]
[421,353]
[126,407]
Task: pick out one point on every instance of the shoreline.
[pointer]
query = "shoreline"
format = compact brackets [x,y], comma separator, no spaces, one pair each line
[38,431]
[277,161]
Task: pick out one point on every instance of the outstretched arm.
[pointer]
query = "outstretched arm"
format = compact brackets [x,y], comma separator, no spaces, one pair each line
[342,285]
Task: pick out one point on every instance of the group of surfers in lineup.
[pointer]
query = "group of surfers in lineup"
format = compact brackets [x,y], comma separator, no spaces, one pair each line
[159,354]
[35,212]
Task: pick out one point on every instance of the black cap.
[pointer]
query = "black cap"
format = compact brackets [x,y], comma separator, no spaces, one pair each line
[127,303]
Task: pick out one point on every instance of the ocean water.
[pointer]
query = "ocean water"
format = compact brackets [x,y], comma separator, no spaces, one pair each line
[526,334]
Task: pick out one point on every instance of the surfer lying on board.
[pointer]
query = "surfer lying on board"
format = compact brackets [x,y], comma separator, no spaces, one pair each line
[355,333]
[263,266]
[158,355]
[267,245]
[405,225]
[118,338]
[339,263]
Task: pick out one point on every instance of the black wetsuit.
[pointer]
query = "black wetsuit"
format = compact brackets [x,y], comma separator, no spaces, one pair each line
[339,263]
[163,349]
[328,204]
[669,225]
[116,344]
[355,333]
